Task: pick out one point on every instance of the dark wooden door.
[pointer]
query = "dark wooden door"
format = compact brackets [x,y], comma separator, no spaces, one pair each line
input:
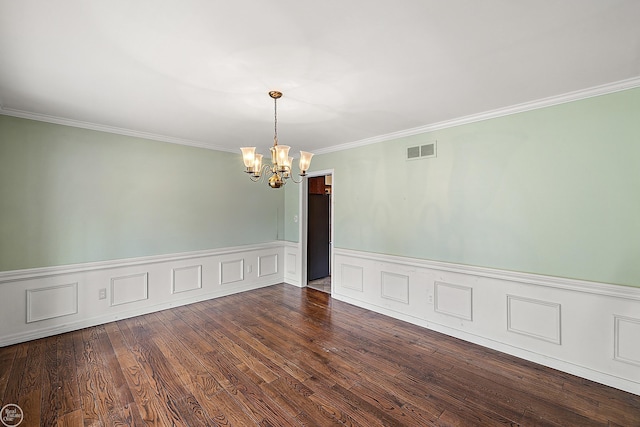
[318,236]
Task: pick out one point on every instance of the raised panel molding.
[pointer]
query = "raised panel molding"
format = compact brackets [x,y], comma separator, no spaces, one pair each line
[51,302]
[267,265]
[185,279]
[351,277]
[128,289]
[231,271]
[291,263]
[395,287]
[453,300]
[534,318]
[627,340]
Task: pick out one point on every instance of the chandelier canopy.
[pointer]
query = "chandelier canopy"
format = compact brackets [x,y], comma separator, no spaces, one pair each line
[280,169]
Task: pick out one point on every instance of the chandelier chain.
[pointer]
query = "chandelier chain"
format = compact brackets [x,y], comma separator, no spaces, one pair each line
[275,121]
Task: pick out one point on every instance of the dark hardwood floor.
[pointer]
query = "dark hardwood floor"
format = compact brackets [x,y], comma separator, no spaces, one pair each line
[284,356]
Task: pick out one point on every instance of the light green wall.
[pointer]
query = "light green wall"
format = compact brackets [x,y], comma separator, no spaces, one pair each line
[73,195]
[553,191]
[291,210]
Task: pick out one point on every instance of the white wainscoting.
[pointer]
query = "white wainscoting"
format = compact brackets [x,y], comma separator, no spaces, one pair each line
[41,302]
[186,279]
[587,329]
[292,274]
[128,289]
[537,319]
[52,301]
[231,271]
[395,287]
[627,335]
[454,300]
[267,265]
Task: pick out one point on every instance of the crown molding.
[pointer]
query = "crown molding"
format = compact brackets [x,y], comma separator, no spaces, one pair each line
[109,129]
[492,114]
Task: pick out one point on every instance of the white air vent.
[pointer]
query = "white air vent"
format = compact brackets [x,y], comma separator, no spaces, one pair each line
[422,151]
[413,153]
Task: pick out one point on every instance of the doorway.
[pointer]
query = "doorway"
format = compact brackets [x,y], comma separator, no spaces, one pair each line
[319,232]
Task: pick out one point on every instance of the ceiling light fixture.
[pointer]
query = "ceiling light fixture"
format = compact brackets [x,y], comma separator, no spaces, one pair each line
[280,169]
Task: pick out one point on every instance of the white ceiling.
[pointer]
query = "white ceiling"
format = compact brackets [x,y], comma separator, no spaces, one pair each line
[198,72]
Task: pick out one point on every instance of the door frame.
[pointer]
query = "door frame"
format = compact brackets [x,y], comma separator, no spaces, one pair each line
[303,209]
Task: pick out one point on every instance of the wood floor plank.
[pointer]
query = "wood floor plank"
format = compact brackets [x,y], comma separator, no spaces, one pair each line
[227,344]
[303,350]
[194,388]
[177,400]
[7,357]
[106,354]
[285,356]
[427,404]
[100,382]
[199,346]
[204,387]
[69,391]
[71,419]
[187,365]
[393,404]
[511,401]
[14,378]
[452,397]
[249,394]
[32,375]
[86,390]
[50,400]
[332,401]
[294,398]
[150,407]
[609,403]
[226,410]
[31,406]
[274,360]
[277,365]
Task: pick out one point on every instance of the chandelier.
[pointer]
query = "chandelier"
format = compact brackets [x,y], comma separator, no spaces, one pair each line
[280,169]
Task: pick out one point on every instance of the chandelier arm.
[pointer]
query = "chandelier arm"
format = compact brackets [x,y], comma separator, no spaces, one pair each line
[265,170]
[294,180]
